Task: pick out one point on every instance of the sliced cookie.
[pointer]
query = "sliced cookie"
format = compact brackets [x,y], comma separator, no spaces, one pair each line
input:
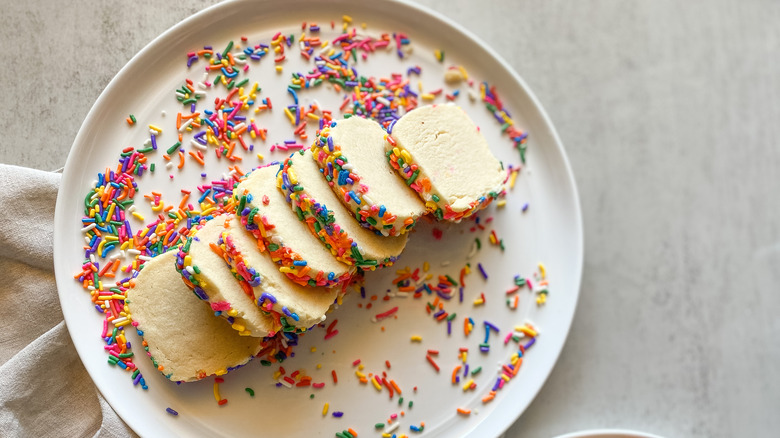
[444,157]
[181,335]
[315,203]
[263,211]
[209,276]
[351,155]
[293,306]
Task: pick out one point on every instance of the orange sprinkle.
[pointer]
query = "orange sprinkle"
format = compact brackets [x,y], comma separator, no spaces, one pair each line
[181,160]
[197,158]
[463,411]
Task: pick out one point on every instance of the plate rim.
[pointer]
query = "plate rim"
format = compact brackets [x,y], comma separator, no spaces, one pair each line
[500,424]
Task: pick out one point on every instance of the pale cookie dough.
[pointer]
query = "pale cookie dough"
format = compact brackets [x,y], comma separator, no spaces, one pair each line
[183,338]
[316,204]
[293,306]
[209,276]
[441,154]
[263,210]
[351,155]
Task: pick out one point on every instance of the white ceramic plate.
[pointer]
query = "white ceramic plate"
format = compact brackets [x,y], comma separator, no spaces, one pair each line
[550,232]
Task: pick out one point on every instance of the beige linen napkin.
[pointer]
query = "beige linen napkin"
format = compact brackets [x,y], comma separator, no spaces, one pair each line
[44,388]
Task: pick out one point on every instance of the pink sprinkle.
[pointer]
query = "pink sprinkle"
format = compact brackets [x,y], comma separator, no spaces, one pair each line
[220,306]
[356,363]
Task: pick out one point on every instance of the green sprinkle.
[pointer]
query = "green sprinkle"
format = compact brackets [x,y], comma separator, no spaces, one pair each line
[413,178]
[132,117]
[242,83]
[151,168]
[227,49]
[250,391]
[400,401]
[476,371]
[379,426]
[435,198]
[479,244]
[173,148]
[452,316]
[411,403]
[125,355]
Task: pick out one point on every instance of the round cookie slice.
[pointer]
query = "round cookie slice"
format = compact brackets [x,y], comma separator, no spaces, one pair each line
[351,155]
[443,156]
[294,307]
[315,203]
[209,276]
[183,338]
[263,211]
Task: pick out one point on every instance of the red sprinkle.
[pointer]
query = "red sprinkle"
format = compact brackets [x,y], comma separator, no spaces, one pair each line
[432,362]
[384,315]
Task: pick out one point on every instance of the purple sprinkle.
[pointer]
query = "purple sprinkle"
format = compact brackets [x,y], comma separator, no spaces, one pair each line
[482,271]
[491,326]
[525,207]
[338,414]
[529,344]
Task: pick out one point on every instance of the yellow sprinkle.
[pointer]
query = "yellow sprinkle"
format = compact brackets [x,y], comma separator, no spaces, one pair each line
[479,301]
[158,207]
[238,327]
[325,409]
[463,72]
[216,392]
[468,384]
[361,367]
[230,312]
[278,68]
[542,271]
[420,86]
[359,374]
[500,204]
[313,116]
[291,176]
[505,377]
[405,155]
[376,384]
[221,372]
[155,128]
[426,266]
[313,349]
[416,338]
[513,178]
[427,96]
[289,115]
[319,366]
[346,18]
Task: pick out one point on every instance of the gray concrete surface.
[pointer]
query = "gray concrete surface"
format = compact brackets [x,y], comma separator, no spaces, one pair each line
[670,115]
